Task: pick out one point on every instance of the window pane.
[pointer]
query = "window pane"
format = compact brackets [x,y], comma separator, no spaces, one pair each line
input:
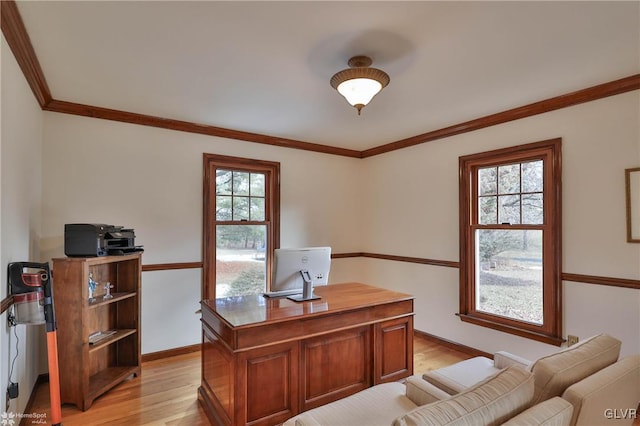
[487,181]
[257,208]
[257,184]
[532,212]
[223,182]
[509,209]
[532,176]
[240,208]
[509,273]
[223,208]
[240,183]
[509,179]
[240,259]
[488,210]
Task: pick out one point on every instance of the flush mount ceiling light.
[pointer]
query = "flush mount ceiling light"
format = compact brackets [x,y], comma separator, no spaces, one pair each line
[359,84]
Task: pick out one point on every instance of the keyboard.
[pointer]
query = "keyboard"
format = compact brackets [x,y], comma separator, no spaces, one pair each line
[282,293]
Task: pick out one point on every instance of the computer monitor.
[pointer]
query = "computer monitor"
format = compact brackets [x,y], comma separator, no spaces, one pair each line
[290,264]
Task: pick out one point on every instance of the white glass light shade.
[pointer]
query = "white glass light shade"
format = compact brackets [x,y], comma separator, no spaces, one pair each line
[359,91]
[360,83]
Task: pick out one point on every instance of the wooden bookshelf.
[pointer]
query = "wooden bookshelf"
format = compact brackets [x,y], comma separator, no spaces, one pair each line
[88,370]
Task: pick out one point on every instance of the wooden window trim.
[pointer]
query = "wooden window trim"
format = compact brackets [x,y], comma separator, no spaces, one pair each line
[550,150]
[271,169]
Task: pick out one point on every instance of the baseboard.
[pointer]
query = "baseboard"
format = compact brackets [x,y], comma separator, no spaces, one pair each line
[453,345]
[170,352]
[42,378]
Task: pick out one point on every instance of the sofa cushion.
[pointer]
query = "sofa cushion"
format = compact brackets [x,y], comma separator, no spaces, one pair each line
[611,392]
[377,405]
[556,372]
[552,412]
[462,375]
[490,402]
[422,392]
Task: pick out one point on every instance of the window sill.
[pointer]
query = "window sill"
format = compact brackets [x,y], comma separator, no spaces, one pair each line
[540,337]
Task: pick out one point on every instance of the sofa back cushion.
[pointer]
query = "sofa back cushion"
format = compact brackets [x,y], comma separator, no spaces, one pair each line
[556,372]
[490,402]
[609,396]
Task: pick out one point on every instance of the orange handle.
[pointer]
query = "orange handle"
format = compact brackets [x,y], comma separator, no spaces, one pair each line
[54,378]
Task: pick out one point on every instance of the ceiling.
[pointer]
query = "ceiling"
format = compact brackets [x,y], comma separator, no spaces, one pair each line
[264,66]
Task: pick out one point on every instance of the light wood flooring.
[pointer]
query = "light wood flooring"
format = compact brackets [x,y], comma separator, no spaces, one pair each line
[166,392]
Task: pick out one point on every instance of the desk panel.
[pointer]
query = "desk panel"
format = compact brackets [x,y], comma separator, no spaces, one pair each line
[349,354]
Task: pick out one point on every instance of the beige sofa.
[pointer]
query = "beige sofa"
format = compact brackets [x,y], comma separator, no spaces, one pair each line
[582,385]
[492,401]
[608,397]
[553,373]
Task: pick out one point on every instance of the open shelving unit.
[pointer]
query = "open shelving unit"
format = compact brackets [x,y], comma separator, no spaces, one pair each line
[89,369]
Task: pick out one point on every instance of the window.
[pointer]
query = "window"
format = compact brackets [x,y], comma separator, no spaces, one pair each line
[510,240]
[241,225]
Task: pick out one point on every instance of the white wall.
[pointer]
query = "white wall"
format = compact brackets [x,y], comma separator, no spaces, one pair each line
[151,179]
[20,221]
[412,200]
[401,203]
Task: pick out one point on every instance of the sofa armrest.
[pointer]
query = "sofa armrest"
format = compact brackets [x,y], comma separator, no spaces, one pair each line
[458,377]
[421,392]
[504,359]
[552,412]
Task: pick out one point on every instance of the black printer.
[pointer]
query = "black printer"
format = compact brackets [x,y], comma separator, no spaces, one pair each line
[98,239]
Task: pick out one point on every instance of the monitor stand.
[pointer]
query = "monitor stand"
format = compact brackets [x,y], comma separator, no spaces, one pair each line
[307,289]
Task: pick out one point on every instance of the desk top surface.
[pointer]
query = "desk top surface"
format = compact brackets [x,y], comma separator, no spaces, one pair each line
[335,298]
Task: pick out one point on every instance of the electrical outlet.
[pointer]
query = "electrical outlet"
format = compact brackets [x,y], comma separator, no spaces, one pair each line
[572,340]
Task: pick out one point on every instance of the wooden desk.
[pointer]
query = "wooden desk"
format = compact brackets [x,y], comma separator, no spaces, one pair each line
[266,360]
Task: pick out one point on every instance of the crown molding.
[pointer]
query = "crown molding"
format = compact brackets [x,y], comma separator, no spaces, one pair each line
[604,90]
[18,40]
[190,127]
[16,35]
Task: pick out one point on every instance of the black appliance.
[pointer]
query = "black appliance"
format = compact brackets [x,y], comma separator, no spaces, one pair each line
[98,239]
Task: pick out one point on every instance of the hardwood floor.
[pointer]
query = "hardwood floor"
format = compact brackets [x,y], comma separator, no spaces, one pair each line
[166,394]
[430,355]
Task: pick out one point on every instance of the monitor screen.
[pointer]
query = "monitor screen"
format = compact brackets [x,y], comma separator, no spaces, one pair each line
[290,261]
